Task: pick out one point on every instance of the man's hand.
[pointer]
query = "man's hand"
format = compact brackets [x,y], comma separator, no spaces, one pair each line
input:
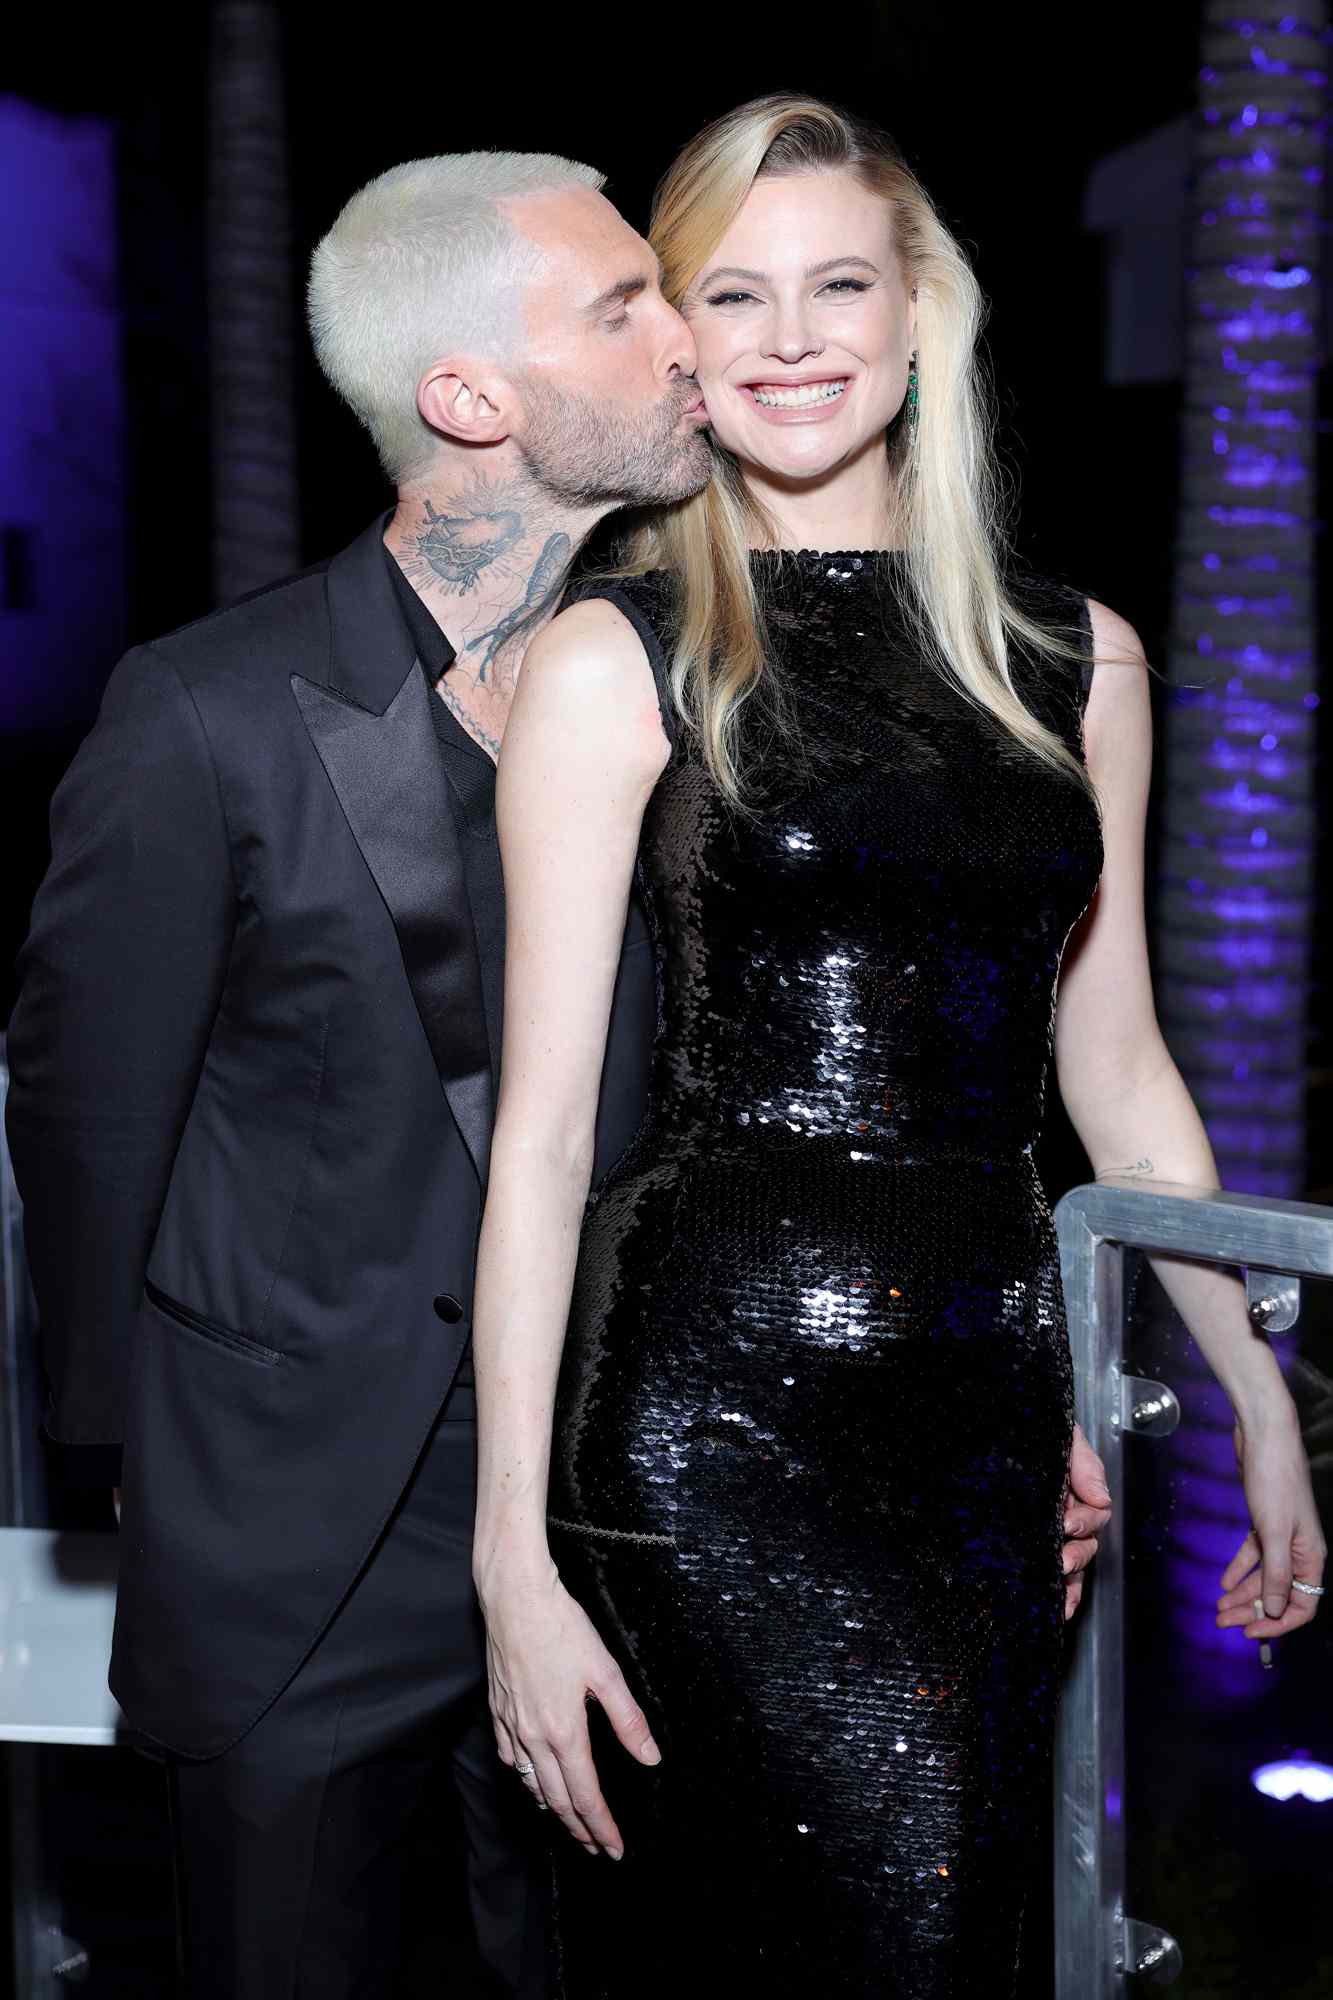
[1087,1511]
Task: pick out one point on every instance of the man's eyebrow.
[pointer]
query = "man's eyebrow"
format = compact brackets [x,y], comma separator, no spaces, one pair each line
[761,277]
[617,294]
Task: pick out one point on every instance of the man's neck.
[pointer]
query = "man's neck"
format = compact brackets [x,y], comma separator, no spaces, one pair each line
[488,558]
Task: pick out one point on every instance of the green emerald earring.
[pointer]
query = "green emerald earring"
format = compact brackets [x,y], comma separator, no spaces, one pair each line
[913,395]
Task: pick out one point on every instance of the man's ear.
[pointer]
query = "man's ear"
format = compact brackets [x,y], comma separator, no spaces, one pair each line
[468,400]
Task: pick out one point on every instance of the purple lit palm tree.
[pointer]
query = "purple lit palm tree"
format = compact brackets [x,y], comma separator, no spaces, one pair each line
[1237,853]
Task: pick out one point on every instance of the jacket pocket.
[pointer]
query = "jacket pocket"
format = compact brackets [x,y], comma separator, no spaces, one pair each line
[208,1329]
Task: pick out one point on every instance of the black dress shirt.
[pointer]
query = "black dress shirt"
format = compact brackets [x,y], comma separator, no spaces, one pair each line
[471,774]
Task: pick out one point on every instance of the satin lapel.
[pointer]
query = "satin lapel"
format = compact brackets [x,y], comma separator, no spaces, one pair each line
[388,776]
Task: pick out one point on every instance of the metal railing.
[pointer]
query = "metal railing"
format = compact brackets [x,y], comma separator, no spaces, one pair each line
[1099,1944]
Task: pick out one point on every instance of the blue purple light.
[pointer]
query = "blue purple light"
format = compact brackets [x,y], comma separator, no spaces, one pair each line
[1295,1778]
[1236,857]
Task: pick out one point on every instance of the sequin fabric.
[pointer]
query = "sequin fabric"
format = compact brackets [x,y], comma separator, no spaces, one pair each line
[814,1412]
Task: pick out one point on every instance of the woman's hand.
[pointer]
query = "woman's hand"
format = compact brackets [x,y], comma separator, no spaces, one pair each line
[1286,1543]
[545,1662]
[1086,1516]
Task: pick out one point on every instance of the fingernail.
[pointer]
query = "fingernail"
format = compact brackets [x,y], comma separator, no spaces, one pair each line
[1068,1561]
[1275,1607]
[616,1853]
[651,1753]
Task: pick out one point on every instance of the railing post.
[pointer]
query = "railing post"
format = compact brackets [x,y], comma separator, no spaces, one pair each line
[1097,1941]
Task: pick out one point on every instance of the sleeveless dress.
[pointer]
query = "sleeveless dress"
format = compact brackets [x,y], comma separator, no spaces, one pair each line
[815,1409]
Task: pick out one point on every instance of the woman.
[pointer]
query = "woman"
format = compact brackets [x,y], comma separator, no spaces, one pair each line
[808,1440]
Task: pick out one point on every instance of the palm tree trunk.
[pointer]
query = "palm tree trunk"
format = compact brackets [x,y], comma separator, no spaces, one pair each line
[1237,852]
[256,534]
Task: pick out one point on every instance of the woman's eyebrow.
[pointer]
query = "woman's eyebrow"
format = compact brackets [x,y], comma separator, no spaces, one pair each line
[837,263]
[761,277]
[732,271]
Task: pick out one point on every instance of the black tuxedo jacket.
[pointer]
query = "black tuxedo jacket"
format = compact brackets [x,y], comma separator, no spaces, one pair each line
[253,1070]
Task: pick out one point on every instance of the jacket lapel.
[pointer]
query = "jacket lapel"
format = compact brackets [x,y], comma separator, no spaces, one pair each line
[382,757]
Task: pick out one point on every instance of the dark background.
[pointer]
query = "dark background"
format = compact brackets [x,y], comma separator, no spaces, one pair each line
[1003,113]
[1001,116]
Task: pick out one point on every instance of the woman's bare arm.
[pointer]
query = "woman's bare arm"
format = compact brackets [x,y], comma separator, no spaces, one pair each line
[1132,1111]
[584,746]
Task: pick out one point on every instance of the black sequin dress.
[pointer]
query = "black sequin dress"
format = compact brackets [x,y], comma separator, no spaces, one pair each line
[814,1413]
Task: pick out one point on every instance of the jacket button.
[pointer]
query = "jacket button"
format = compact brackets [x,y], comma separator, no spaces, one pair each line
[448,1308]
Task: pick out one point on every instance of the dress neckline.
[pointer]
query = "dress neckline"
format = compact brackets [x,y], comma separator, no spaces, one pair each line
[832,555]
[846,569]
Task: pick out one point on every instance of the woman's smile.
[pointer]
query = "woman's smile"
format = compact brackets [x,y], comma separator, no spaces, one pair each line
[811,399]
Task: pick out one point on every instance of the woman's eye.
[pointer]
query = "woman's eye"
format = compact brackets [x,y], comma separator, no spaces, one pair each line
[847,285]
[614,325]
[729,298]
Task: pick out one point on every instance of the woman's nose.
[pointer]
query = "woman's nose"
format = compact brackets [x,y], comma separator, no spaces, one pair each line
[791,340]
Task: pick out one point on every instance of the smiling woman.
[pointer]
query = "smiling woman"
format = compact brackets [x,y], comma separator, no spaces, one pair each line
[775,1434]
[816,349]
[794,325]
[827,299]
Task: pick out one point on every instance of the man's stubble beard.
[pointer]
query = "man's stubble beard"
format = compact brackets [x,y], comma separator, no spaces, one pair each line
[583,453]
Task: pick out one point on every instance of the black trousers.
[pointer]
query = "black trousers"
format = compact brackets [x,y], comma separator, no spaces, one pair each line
[299,1870]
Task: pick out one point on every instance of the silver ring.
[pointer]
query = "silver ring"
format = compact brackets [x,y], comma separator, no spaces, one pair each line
[525,1770]
[1307,1589]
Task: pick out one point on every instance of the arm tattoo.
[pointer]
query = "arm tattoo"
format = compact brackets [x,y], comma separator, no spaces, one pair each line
[547,576]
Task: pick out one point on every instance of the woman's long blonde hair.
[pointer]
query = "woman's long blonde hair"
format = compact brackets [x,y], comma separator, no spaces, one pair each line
[948,495]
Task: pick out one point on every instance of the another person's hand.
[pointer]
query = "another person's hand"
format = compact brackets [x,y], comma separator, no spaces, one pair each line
[1087,1511]
[545,1662]
[1285,1545]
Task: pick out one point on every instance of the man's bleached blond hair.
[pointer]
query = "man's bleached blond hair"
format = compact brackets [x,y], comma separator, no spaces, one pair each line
[422,262]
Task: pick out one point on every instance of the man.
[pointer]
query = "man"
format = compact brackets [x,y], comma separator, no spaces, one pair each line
[253,1071]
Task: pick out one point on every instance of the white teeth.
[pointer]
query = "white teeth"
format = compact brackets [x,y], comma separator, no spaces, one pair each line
[798,399]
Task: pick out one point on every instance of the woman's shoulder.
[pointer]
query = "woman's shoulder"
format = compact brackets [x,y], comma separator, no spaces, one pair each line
[1057,608]
[1064,687]
[1099,632]
[647,598]
[1049,600]
[585,682]
[645,603]
[590,639]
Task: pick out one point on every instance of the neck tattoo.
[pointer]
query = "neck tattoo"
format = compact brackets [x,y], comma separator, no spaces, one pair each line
[500,570]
